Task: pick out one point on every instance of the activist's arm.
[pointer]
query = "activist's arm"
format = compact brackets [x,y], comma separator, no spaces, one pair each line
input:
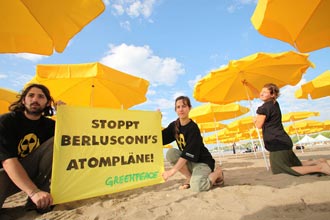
[20,178]
[179,164]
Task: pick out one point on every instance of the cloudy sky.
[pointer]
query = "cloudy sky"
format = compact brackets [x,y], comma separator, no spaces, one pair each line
[172,44]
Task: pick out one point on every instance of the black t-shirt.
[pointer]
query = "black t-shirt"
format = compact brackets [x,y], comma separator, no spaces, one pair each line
[19,135]
[274,135]
[190,142]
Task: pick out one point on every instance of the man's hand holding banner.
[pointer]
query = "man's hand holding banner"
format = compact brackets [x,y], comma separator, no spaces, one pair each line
[101,151]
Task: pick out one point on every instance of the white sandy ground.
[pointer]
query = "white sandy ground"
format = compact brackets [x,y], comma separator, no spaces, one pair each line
[250,193]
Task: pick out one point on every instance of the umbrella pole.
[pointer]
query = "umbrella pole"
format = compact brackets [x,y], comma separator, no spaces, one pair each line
[252,146]
[302,151]
[261,142]
[216,135]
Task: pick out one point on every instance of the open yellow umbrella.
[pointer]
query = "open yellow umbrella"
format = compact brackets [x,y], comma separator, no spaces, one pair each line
[243,79]
[7,96]
[210,126]
[317,88]
[326,125]
[242,124]
[296,116]
[212,112]
[305,125]
[302,23]
[92,84]
[40,26]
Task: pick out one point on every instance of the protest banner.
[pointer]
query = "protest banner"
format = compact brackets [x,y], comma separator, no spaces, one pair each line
[99,151]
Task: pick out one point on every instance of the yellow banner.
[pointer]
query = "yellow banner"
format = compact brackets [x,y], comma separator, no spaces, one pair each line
[101,151]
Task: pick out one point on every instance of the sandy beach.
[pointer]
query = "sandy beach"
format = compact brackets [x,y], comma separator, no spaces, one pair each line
[250,192]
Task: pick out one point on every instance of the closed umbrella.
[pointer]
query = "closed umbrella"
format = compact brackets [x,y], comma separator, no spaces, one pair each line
[92,84]
[302,23]
[42,26]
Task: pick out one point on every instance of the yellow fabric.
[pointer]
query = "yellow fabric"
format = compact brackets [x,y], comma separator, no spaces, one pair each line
[242,124]
[6,98]
[210,126]
[243,79]
[92,84]
[212,112]
[295,116]
[39,26]
[302,23]
[132,156]
[304,127]
[316,88]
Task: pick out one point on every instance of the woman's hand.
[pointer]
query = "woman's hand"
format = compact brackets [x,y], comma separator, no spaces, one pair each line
[167,174]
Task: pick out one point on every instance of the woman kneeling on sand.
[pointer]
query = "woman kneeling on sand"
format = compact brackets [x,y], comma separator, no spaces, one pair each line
[192,159]
[278,142]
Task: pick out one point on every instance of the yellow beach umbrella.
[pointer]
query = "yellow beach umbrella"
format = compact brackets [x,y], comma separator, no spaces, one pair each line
[306,125]
[326,125]
[212,112]
[317,88]
[296,116]
[210,126]
[42,26]
[242,124]
[7,97]
[243,79]
[92,84]
[302,23]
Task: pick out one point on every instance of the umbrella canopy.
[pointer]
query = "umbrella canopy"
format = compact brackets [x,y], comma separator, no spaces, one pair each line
[210,126]
[242,124]
[212,112]
[39,26]
[301,23]
[6,98]
[92,84]
[296,116]
[305,126]
[317,88]
[326,125]
[243,79]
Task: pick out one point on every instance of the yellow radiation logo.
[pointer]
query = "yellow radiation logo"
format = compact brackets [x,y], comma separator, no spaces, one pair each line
[181,142]
[28,144]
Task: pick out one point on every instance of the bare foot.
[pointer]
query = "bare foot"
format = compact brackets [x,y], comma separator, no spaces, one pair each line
[185,185]
[322,160]
[325,168]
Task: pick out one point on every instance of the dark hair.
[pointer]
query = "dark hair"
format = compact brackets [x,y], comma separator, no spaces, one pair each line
[273,89]
[18,106]
[186,101]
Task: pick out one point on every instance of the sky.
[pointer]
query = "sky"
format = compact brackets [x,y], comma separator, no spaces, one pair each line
[172,44]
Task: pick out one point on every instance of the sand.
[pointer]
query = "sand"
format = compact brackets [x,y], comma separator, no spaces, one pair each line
[251,192]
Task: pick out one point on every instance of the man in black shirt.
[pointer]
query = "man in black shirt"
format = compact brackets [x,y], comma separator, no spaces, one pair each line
[26,147]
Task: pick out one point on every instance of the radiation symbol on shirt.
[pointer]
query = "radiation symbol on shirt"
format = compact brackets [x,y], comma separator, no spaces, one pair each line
[181,142]
[27,144]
